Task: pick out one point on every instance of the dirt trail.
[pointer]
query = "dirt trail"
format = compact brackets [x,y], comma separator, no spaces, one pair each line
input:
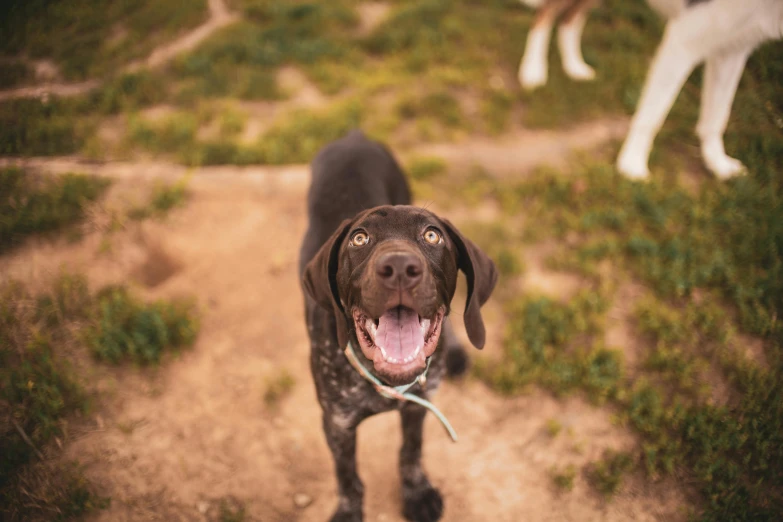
[172,444]
[513,154]
[219,16]
[524,149]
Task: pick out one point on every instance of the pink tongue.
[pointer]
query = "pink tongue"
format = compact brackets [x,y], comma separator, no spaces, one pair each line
[399,333]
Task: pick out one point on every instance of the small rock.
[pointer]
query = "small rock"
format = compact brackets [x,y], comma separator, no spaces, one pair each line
[302,500]
[202,507]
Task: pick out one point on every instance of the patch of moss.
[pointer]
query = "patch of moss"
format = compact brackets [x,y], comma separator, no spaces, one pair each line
[163,199]
[277,388]
[606,474]
[564,479]
[45,127]
[34,204]
[122,327]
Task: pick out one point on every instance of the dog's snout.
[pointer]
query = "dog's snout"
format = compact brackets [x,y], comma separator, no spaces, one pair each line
[399,270]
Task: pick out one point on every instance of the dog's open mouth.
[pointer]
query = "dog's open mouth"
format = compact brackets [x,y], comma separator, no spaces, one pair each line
[398,342]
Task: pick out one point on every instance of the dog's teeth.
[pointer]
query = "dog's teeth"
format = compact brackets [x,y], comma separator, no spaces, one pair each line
[369,325]
[392,360]
[383,352]
[425,326]
[416,352]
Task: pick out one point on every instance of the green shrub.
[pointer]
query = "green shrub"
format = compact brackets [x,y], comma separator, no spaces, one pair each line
[50,491]
[40,391]
[37,389]
[123,328]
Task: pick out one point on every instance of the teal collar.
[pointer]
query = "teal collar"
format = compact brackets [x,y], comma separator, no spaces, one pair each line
[399,392]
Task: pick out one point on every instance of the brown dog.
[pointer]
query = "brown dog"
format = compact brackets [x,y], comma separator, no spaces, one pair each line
[379,275]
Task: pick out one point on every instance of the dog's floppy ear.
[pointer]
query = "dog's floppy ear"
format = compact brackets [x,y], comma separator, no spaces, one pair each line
[481,275]
[320,274]
[320,278]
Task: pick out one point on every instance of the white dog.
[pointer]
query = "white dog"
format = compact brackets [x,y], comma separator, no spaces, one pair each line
[722,33]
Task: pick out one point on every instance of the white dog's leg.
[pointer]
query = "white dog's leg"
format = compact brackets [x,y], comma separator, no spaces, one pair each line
[722,28]
[721,77]
[533,67]
[569,40]
[670,68]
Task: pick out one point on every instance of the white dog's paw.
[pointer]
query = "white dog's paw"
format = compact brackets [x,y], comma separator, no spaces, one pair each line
[532,74]
[725,167]
[632,167]
[579,71]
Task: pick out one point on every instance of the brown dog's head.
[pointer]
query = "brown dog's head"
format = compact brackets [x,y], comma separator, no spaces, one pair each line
[390,274]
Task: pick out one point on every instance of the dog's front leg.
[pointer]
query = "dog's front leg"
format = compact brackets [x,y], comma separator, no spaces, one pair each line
[341,436]
[569,40]
[721,77]
[421,501]
[674,60]
[533,69]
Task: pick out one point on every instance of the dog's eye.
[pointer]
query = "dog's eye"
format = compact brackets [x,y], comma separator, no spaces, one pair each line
[360,239]
[432,236]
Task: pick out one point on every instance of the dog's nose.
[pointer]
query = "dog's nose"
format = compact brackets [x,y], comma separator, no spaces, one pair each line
[399,270]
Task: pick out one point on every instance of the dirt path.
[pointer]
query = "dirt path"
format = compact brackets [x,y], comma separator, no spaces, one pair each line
[524,149]
[173,444]
[219,16]
[513,154]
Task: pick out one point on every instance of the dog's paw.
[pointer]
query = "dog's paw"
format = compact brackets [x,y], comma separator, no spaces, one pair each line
[532,74]
[423,505]
[579,71]
[632,168]
[725,167]
[347,516]
[457,361]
